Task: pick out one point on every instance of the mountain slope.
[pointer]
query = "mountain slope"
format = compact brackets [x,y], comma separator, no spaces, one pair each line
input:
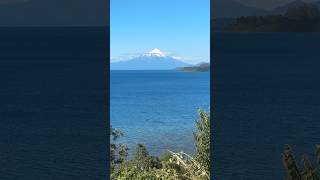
[154,60]
[284,8]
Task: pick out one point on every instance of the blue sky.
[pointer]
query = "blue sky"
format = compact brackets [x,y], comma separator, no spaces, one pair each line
[178,27]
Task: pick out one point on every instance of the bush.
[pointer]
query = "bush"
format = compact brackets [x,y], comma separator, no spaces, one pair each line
[202,140]
[170,166]
[141,152]
[305,172]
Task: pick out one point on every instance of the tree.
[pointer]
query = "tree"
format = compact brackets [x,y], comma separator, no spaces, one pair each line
[306,172]
[141,152]
[290,164]
[202,139]
[118,152]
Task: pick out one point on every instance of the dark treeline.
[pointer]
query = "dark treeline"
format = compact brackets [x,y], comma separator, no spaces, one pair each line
[202,67]
[305,18]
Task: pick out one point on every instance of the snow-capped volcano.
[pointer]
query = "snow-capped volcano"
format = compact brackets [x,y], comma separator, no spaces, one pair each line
[153,60]
[155,52]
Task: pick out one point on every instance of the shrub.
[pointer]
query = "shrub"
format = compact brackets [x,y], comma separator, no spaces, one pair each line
[305,172]
[170,166]
[202,140]
[141,152]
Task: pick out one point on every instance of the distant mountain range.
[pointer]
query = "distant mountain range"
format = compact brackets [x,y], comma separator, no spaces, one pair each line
[294,17]
[226,9]
[294,4]
[154,60]
[226,17]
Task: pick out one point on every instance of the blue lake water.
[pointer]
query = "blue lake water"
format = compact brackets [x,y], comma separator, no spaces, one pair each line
[52,103]
[266,95]
[158,108]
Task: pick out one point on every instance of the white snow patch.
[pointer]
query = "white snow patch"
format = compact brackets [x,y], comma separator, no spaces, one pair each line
[156,52]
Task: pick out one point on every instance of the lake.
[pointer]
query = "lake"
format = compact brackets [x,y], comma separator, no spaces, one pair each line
[266,95]
[52,103]
[158,108]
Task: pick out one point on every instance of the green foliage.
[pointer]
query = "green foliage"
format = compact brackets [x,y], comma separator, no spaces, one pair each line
[189,167]
[170,166]
[306,172]
[118,152]
[141,152]
[202,140]
[141,167]
[129,171]
[165,157]
[290,164]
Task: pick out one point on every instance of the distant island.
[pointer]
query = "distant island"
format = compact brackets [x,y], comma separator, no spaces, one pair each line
[203,67]
[295,17]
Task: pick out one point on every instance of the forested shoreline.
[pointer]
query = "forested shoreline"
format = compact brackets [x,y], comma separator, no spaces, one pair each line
[304,18]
